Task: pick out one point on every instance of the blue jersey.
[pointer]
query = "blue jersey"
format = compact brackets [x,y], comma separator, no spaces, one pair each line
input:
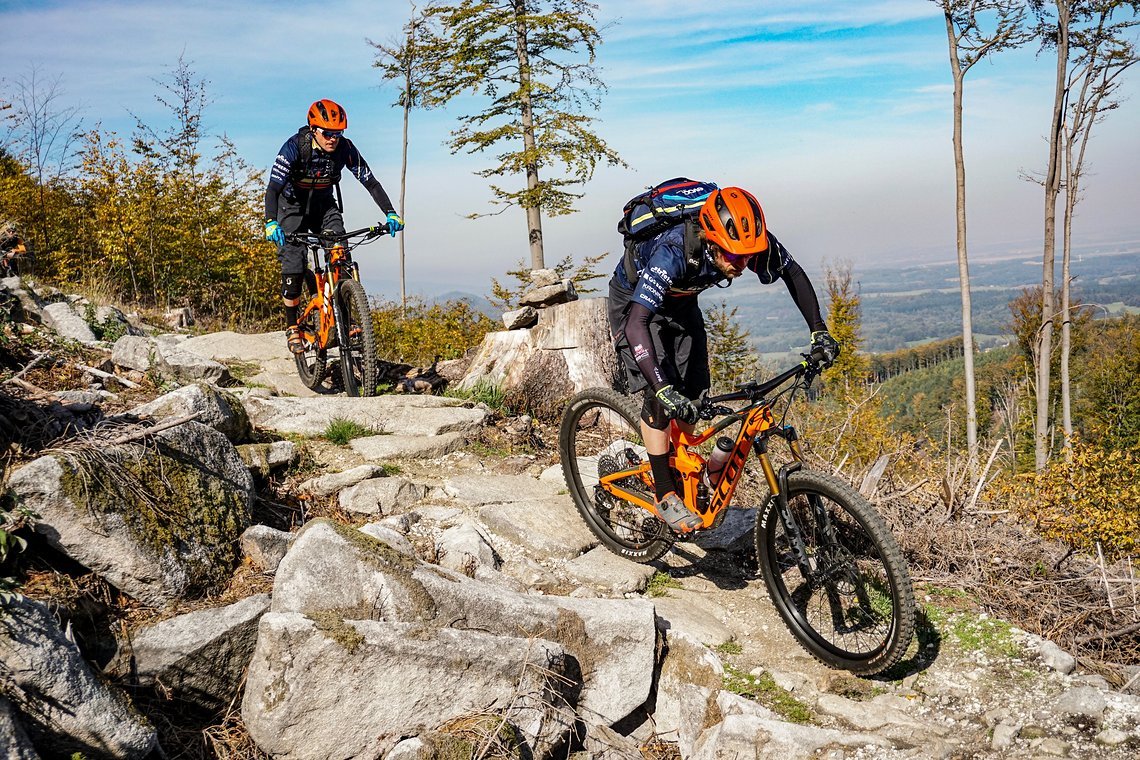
[308,169]
[664,272]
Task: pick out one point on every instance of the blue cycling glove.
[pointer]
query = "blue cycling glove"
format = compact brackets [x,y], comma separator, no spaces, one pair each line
[395,223]
[274,233]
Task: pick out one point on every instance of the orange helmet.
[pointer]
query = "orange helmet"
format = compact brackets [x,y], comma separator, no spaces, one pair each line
[733,220]
[327,115]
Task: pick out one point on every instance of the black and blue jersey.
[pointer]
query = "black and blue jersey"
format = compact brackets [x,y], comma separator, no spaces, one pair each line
[302,169]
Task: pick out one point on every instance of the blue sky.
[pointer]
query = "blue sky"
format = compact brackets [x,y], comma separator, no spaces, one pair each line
[836,114]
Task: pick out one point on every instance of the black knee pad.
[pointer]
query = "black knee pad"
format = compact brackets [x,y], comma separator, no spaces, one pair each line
[653,414]
[291,286]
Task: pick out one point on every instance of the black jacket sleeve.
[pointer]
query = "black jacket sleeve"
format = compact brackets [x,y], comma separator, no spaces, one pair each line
[803,294]
[641,344]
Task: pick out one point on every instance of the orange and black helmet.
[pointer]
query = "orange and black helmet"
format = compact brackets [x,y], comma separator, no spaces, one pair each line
[733,220]
[327,115]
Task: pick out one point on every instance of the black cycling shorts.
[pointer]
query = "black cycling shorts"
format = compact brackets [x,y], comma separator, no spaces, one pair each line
[305,214]
[679,340]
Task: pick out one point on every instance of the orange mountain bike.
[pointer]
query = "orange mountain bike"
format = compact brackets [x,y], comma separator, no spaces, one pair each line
[335,314]
[831,565]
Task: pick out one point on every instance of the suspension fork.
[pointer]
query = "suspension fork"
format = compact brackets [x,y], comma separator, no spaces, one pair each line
[778,485]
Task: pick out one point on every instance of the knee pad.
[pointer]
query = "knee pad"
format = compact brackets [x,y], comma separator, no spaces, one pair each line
[653,414]
[291,286]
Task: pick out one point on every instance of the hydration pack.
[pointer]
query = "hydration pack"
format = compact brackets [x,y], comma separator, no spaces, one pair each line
[648,214]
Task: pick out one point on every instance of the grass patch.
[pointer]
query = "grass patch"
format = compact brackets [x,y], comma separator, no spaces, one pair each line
[763,689]
[660,584]
[485,392]
[340,430]
[729,647]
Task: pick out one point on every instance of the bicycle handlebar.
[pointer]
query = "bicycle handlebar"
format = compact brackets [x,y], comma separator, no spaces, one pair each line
[810,368]
[324,239]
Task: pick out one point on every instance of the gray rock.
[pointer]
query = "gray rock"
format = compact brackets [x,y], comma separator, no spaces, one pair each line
[31,305]
[14,741]
[1111,737]
[737,526]
[264,458]
[265,546]
[101,510]
[883,719]
[200,657]
[220,410]
[520,319]
[413,415]
[384,447]
[548,527]
[302,696]
[1052,655]
[1083,702]
[177,363]
[478,490]
[380,496]
[603,569]
[388,535]
[64,706]
[550,295]
[134,352]
[692,613]
[465,549]
[61,317]
[335,568]
[1004,735]
[410,749]
[541,278]
[690,674]
[327,485]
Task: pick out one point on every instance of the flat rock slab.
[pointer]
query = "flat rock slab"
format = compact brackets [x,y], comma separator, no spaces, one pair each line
[689,613]
[603,569]
[478,490]
[260,347]
[548,527]
[382,447]
[403,415]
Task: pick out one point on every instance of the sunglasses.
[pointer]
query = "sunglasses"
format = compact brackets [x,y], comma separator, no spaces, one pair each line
[735,259]
[332,134]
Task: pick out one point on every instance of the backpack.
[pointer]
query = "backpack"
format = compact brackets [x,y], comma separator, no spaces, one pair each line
[648,214]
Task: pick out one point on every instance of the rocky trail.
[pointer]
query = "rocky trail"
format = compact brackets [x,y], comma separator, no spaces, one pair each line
[424,582]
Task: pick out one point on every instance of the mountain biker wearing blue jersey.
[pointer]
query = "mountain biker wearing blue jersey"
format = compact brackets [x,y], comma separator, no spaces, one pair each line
[659,331]
[300,197]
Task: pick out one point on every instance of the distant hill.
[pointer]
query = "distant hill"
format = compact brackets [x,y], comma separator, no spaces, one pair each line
[478,303]
[906,306]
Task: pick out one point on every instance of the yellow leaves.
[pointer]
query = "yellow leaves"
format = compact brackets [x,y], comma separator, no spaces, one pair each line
[1092,496]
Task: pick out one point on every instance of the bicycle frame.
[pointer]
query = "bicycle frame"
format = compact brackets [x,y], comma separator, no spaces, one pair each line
[337,265]
[758,424]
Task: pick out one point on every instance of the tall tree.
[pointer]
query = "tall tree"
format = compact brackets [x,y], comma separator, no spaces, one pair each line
[534,62]
[732,357]
[969,43]
[44,133]
[408,62]
[1101,54]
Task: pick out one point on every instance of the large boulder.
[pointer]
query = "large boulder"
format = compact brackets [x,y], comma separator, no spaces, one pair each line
[335,570]
[400,415]
[64,706]
[200,657]
[214,407]
[159,521]
[569,350]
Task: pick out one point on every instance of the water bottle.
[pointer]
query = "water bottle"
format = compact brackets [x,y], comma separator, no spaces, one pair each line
[718,459]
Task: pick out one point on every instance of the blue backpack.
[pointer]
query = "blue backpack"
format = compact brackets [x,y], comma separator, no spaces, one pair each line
[662,206]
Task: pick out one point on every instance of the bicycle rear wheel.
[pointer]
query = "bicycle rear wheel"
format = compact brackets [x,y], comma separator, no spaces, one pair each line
[600,435]
[854,608]
[311,364]
[358,357]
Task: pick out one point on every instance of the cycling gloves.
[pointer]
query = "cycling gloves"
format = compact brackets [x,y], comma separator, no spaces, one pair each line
[274,233]
[828,348]
[675,403]
[395,223]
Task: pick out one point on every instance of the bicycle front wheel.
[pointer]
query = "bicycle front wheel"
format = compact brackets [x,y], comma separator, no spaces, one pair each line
[848,598]
[312,363]
[358,357]
[600,435]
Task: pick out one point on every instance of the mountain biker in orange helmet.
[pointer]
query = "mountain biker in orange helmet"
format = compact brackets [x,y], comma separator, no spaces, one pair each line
[300,197]
[658,328]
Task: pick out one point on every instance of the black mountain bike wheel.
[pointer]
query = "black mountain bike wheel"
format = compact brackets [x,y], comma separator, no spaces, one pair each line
[357,339]
[311,364]
[855,609]
[600,435]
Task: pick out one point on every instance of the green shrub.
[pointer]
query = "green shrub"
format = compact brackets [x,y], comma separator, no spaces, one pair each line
[340,430]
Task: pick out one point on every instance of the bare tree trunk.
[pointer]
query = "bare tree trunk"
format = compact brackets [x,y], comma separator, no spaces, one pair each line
[404,154]
[963,259]
[1041,447]
[1066,310]
[533,215]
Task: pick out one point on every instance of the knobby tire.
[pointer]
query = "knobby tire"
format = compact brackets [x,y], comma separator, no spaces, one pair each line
[359,361]
[311,364]
[855,610]
[600,433]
